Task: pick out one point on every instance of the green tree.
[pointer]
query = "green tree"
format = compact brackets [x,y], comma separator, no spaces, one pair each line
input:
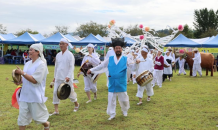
[91,27]
[3,30]
[204,20]
[21,32]
[133,30]
[209,33]
[62,29]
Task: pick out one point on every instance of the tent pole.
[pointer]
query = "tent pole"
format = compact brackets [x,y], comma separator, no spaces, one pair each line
[2,50]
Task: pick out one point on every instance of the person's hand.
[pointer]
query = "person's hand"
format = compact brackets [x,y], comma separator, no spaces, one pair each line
[67,79]
[18,71]
[89,72]
[18,83]
[78,75]
[134,76]
[54,80]
[137,61]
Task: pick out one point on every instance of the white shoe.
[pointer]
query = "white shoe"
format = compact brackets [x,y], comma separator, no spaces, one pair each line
[89,101]
[76,108]
[110,118]
[140,103]
[148,99]
[125,114]
[54,113]
[95,97]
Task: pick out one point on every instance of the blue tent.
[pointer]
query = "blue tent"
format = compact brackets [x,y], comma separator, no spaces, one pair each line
[129,41]
[4,37]
[182,41]
[101,38]
[38,36]
[26,38]
[71,38]
[54,39]
[211,43]
[90,39]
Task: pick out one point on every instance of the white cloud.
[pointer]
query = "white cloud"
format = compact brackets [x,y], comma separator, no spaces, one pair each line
[43,15]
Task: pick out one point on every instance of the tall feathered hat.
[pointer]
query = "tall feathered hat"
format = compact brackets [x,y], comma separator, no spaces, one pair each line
[118,42]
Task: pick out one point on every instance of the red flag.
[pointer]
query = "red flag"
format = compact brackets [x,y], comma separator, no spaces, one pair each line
[74,85]
[15,97]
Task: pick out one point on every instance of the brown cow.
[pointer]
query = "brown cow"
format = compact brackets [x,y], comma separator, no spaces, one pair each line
[207,61]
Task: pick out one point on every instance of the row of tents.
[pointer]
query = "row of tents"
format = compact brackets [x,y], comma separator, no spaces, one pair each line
[28,38]
[182,41]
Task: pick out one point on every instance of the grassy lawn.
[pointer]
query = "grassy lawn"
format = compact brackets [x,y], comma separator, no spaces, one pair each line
[183,103]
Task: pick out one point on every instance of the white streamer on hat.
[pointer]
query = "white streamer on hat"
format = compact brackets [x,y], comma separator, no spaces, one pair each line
[39,47]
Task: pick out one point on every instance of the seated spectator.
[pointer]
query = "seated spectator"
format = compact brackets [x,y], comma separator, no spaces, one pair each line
[13,53]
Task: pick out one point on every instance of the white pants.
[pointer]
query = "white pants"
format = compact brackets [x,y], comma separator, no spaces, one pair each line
[107,74]
[157,77]
[196,68]
[72,97]
[182,70]
[29,111]
[89,85]
[123,99]
[148,88]
[128,74]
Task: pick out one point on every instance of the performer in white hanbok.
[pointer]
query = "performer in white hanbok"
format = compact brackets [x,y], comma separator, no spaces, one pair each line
[117,67]
[32,97]
[142,64]
[64,72]
[168,70]
[94,60]
[197,64]
[158,70]
[109,53]
[151,54]
[181,65]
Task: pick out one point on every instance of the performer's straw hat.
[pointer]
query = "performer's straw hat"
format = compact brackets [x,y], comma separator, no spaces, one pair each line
[195,49]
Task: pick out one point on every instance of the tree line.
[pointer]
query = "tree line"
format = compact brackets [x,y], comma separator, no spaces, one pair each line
[205,25]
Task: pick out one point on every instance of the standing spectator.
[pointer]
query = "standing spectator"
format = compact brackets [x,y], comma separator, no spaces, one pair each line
[25,57]
[54,56]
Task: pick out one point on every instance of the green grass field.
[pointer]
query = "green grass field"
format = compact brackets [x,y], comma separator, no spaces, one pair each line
[183,103]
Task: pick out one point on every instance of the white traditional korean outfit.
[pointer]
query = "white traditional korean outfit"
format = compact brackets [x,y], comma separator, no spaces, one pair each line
[109,53]
[94,60]
[32,96]
[145,64]
[64,67]
[181,65]
[168,70]
[122,96]
[197,65]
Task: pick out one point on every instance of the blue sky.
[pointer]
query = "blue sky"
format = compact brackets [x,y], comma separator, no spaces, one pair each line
[43,15]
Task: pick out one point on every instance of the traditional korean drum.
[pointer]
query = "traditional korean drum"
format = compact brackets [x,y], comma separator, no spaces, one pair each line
[144,78]
[16,77]
[85,67]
